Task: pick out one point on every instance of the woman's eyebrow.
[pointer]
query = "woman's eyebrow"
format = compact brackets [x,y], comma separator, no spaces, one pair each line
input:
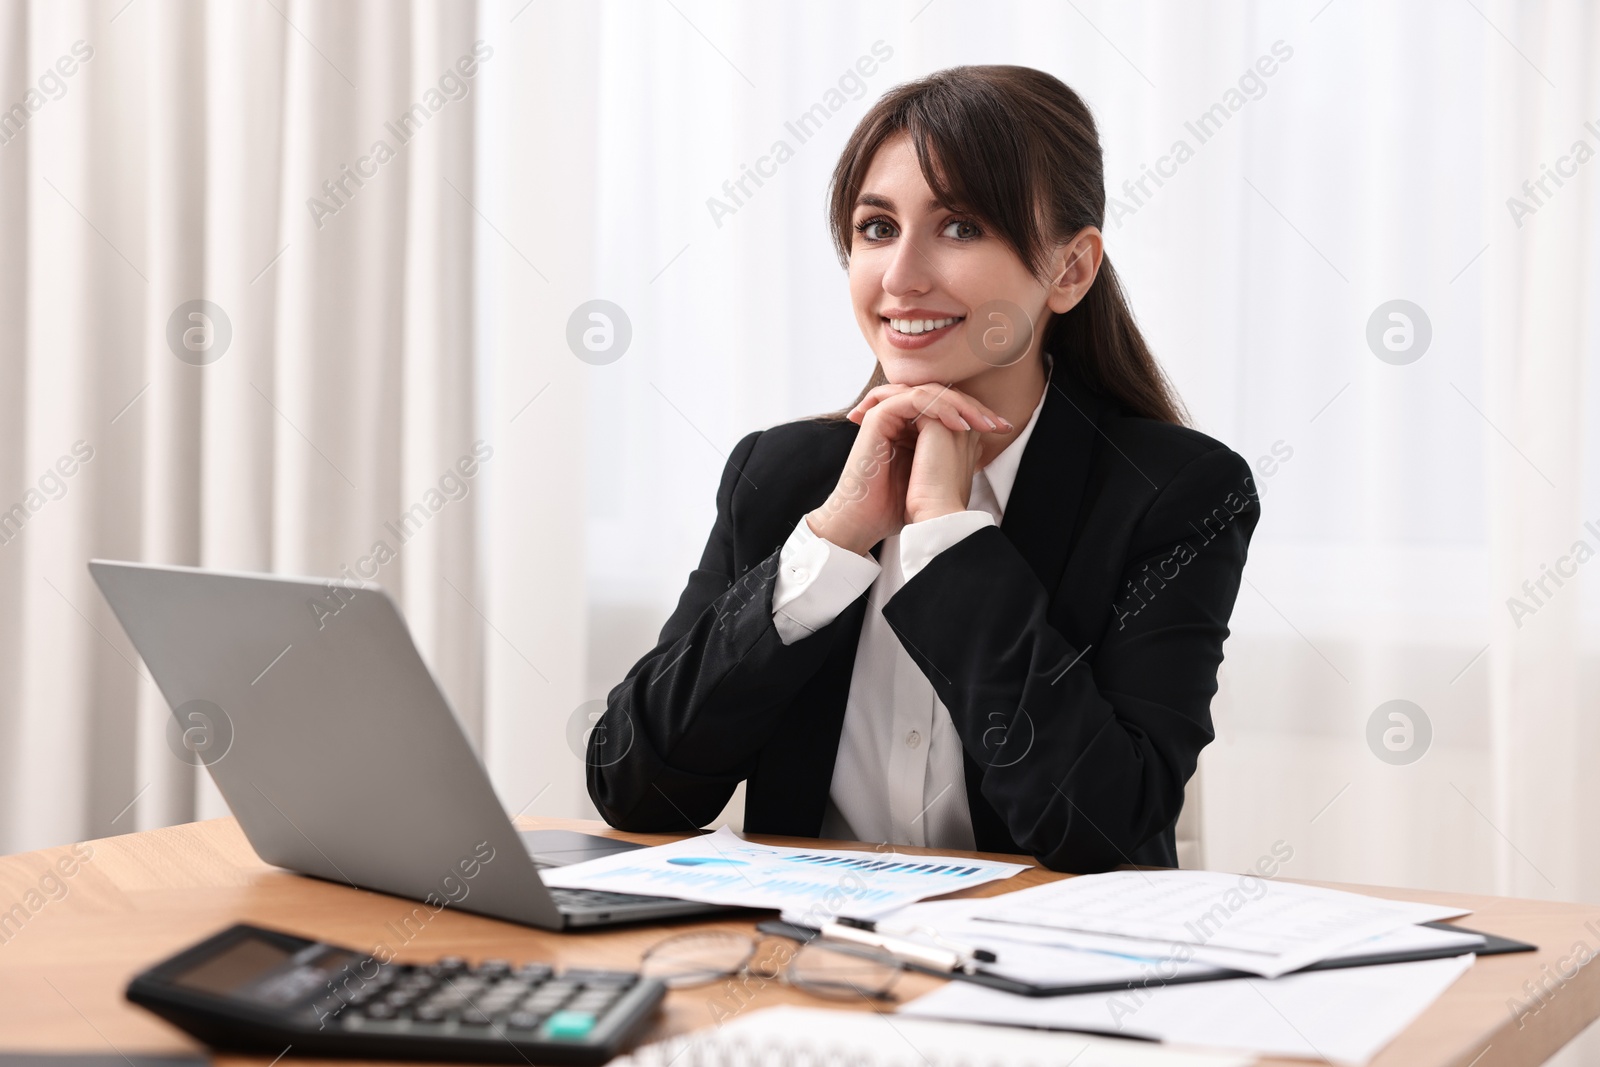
[885,204]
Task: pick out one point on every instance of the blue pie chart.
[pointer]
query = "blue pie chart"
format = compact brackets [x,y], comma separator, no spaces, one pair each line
[705,861]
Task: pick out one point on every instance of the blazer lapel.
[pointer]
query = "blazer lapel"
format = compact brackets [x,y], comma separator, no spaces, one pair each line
[1040,519]
[789,793]
[1042,512]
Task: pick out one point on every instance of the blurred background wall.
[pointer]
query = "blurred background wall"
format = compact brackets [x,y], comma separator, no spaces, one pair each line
[1369,269]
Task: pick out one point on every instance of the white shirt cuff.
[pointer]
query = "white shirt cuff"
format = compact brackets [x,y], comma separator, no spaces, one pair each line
[816,581]
[921,541]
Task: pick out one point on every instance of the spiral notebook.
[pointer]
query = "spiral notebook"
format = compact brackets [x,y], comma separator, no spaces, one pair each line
[784,1036]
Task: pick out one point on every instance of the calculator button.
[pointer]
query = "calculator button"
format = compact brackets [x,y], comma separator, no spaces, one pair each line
[599,978]
[569,1024]
[534,972]
[524,1020]
[556,991]
[545,1005]
[381,1011]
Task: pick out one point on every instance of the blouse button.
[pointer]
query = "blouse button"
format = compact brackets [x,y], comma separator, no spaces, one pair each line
[798,573]
[913,739]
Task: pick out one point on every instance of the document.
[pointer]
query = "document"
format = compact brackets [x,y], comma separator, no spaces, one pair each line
[785,1035]
[808,885]
[1043,957]
[1343,1016]
[1239,921]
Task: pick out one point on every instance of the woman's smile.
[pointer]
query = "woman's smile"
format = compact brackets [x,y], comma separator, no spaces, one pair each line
[917,327]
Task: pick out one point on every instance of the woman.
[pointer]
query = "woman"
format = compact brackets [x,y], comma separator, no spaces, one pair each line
[985,607]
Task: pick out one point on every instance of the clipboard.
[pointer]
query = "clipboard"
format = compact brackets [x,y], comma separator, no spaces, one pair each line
[1493,945]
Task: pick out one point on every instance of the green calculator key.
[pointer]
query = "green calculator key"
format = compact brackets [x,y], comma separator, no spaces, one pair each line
[572,1024]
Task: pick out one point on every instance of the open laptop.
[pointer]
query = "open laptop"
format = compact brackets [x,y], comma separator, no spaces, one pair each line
[337,751]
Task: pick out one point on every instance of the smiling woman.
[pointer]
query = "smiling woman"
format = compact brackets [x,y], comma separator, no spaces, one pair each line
[904,626]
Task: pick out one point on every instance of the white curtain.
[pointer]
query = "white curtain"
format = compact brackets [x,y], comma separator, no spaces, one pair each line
[165,153]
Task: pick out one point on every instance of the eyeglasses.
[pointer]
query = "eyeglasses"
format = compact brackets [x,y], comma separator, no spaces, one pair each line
[838,972]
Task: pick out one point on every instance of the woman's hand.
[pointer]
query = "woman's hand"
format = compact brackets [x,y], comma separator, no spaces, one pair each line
[941,470]
[871,499]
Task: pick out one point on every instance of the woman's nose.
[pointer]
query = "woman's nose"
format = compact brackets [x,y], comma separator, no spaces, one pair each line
[910,270]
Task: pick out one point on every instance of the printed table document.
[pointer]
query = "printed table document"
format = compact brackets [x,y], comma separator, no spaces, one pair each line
[1039,956]
[1251,924]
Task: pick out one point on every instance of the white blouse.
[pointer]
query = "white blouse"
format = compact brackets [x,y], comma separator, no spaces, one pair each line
[899,776]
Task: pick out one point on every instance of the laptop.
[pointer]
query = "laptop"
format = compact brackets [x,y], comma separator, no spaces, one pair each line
[308,703]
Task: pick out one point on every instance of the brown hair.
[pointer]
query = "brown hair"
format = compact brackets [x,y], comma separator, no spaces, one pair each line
[1018,150]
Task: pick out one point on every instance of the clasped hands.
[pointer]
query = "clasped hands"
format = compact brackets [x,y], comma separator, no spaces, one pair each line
[913,460]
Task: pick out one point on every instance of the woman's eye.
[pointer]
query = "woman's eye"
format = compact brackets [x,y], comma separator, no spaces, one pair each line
[961,229]
[875,229]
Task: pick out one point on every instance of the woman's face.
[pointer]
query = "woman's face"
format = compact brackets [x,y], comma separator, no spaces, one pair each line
[937,297]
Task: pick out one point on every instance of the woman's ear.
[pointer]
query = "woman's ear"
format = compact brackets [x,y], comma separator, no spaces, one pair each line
[1073,268]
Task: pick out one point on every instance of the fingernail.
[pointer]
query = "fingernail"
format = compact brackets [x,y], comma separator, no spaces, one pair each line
[991,422]
[1006,423]
[964,424]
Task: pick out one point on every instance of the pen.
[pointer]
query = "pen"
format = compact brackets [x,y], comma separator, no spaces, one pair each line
[934,957]
[981,955]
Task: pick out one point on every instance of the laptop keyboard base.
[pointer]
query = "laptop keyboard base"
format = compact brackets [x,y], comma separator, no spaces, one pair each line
[590,899]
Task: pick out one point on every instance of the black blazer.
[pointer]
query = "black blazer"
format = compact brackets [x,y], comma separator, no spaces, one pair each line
[1076,646]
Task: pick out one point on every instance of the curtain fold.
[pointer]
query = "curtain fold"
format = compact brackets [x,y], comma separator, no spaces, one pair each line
[1543,337]
[200,161]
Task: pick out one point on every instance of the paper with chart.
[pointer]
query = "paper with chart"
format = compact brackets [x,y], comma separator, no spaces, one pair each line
[809,885]
[1252,924]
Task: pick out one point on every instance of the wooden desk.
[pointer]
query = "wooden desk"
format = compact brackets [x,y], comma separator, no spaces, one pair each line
[141,897]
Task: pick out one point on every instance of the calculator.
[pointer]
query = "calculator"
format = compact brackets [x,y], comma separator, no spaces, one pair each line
[259,990]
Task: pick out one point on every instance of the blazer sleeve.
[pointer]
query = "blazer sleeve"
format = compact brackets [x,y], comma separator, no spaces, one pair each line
[1085,752]
[686,725]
